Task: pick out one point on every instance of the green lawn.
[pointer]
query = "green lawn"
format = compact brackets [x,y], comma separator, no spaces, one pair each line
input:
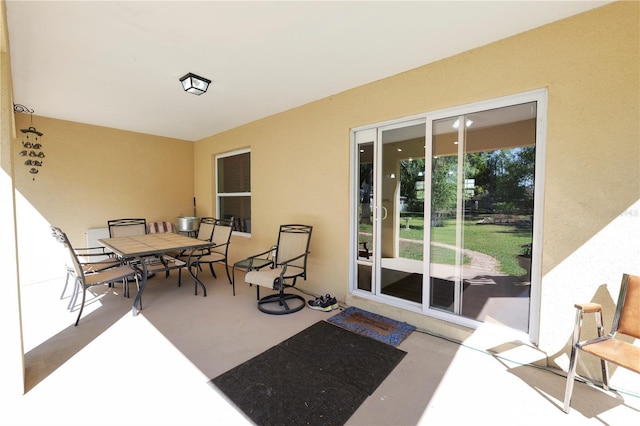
[500,241]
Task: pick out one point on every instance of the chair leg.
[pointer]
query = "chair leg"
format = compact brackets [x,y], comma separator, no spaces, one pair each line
[212,271]
[571,373]
[137,283]
[603,363]
[233,280]
[568,392]
[74,296]
[84,294]
[66,282]
[226,268]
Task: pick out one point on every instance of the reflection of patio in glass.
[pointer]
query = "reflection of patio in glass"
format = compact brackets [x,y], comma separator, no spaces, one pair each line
[487,295]
[495,287]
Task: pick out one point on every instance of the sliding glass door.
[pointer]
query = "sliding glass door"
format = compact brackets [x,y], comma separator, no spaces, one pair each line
[446,212]
[482,209]
[402,208]
[390,236]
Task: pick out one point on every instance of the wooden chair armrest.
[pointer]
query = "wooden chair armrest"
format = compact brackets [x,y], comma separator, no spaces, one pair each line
[589,308]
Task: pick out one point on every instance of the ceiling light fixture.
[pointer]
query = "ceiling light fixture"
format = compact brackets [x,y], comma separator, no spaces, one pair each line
[194,84]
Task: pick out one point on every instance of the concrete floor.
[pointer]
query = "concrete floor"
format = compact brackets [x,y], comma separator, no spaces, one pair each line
[153,369]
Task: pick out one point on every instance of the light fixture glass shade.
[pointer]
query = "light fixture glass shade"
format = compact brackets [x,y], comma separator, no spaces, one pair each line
[194,84]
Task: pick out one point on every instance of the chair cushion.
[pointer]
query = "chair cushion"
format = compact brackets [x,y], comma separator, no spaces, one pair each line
[616,351]
[161,228]
[99,266]
[267,277]
[212,257]
[109,275]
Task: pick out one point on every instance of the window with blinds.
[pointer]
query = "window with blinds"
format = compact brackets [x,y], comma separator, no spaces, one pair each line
[233,186]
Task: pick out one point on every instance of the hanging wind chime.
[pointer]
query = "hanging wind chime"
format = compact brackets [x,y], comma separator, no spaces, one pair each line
[31,142]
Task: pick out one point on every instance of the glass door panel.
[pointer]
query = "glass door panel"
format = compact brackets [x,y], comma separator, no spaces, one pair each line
[444,261]
[365,245]
[402,212]
[482,180]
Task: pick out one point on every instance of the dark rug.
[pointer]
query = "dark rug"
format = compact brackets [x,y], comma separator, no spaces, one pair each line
[320,376]
[372,325]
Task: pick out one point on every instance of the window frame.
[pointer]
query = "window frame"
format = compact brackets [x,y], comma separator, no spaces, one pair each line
[219,195]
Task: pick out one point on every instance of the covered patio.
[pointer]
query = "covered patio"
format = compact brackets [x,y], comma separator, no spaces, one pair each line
[153,369]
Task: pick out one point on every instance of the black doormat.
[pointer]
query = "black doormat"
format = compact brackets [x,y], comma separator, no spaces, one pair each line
[319,376]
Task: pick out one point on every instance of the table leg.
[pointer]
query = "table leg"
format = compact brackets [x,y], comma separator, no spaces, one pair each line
[138,299]
[196,265]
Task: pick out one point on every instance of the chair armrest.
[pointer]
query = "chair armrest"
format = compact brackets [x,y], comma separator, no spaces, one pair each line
[266,253]
[92,251]
[217,245]
[87,255]
[286,262]
[285,265]
[589,308]
[365,250]
[261,254]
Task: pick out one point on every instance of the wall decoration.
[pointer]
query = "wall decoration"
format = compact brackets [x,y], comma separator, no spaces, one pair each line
[31,142]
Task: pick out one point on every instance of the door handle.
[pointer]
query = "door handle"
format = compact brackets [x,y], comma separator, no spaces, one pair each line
[384,212]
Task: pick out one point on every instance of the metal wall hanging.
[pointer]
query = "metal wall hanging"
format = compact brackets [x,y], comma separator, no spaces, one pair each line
[31,142]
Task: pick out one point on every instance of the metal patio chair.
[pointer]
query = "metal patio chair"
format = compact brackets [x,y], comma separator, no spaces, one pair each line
[217,252]
[85,280]
[292,251]
[626,321]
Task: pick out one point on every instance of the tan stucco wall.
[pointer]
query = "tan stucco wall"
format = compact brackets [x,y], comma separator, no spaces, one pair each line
[92,174]
[589,64]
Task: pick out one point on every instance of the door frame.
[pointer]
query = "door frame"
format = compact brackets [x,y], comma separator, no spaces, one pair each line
[540,96]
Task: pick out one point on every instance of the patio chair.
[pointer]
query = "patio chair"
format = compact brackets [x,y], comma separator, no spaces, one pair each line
[364,251]
[292,251]
[161,228]
[86,280]
[138,226]
[216,252]
[626,320]
[205,232]
[126,227]
[92,259]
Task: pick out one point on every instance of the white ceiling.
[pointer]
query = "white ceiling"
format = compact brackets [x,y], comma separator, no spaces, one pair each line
[117,63]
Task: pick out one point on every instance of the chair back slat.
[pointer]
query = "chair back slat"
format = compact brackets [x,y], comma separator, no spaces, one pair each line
[293,241]
[627,316]
[127,227]
[205,231]
[222,235]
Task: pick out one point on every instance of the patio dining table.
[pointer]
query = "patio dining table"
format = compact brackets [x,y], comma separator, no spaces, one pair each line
[135,248]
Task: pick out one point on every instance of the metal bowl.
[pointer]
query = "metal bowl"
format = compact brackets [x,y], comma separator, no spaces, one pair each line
[188,223]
